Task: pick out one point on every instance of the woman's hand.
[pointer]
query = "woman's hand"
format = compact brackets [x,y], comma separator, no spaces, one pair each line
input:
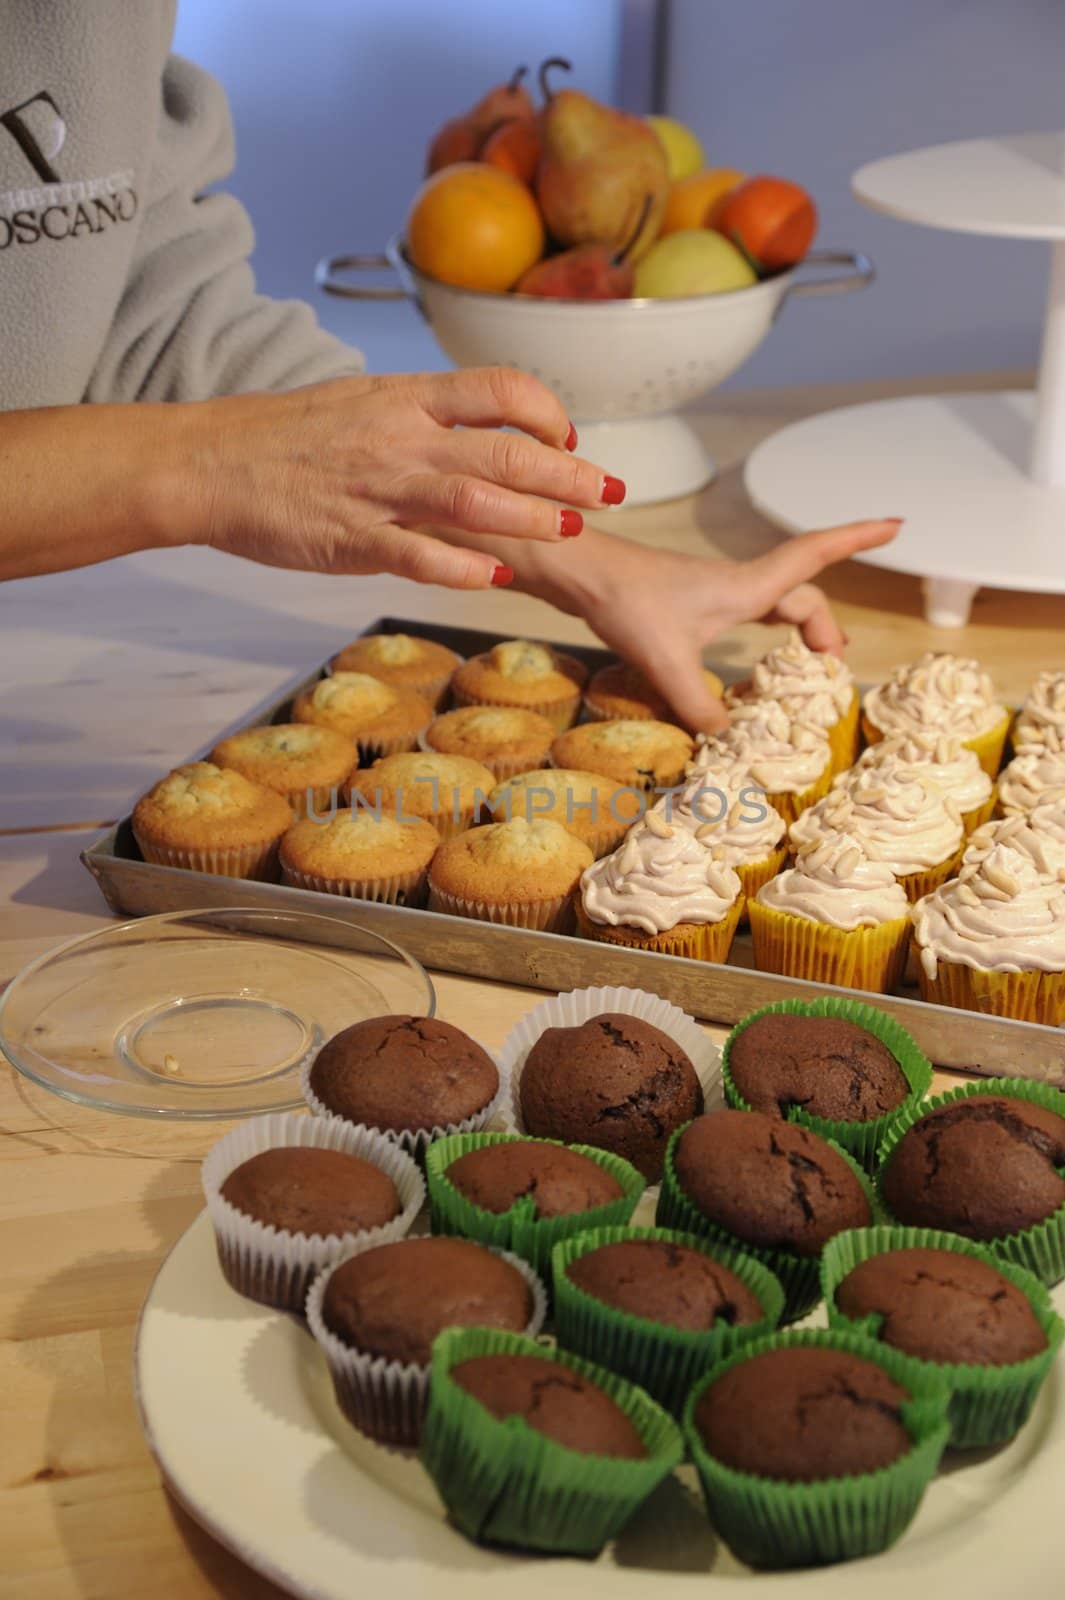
[339,476]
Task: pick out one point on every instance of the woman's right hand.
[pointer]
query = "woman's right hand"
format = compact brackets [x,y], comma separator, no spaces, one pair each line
[341,476]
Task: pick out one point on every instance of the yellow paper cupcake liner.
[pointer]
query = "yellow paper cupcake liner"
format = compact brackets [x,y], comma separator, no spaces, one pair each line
[791,804]
[753,874]
[971,820]
[698,941]
[400,889]
[561,714]
[554,915]
[1024,996]
[257,861]
[918,884]
[988,746]
[852,958]
[843,737]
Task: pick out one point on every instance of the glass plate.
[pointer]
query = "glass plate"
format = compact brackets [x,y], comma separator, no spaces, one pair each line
[200,1014]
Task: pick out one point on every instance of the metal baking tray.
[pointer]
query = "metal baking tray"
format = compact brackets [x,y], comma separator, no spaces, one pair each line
[963,1041]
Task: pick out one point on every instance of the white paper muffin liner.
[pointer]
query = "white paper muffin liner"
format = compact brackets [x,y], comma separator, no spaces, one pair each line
[403,888]
[415,1140]
[271,1264]
[238,861]
[386,1399]
[580,1005]
[545,916]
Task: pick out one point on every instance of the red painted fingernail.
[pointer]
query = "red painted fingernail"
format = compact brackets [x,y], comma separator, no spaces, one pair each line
[613,491]
[571,438]
[894,519]
[502,576]
[570,524]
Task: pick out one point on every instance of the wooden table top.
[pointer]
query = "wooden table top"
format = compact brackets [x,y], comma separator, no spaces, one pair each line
[113,674]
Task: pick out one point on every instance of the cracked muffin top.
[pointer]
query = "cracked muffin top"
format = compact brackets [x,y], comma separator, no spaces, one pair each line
[985,1166]
[201,804]
[616,1083]
[641,753]
[517,672]
[665,1282]
[404,1073]
[553,1399]
[824,1066]
[506,739]
[941,1305]
[769,1183]
[802,1414]
[557,1180]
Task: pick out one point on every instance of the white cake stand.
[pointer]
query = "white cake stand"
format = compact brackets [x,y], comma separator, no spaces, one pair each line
[979,478]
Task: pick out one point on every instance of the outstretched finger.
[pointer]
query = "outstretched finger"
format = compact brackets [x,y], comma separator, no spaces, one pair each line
[493,397]
[423,559]
[806,607]
[798,560]
[681,681]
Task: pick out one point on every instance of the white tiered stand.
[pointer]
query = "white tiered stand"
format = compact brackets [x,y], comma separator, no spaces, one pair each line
[979,478]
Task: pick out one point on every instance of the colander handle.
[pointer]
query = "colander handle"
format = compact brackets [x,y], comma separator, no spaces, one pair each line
[861,275]
[326,277]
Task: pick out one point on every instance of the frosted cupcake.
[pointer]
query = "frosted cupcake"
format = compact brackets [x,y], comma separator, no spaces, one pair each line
[637,753]
[1037,834]
[729,812]
[836,916]
[812,686]
[905,822]
[589,806]
[208,819]
[663,890]
[444,790]
[402,660]
[520,873]
[621,692]
[302,763]
[505,739]
[993,940]
[378,717]
[361,856]
[944,693]
[518,673]
[940,757]
[1034,778]
[789,759]
[1041,722]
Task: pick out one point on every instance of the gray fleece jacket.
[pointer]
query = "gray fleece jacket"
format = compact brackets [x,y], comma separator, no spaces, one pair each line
[120,278]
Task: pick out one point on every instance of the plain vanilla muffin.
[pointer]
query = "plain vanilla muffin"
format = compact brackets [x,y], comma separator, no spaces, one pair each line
[520,873]
[519,673]
[209,819]
[506,739]
[444,790]
[620,692]
[941,693]
[360,855]
[291,758]
[592,807]
[643,754]
[402,660]
[379,718]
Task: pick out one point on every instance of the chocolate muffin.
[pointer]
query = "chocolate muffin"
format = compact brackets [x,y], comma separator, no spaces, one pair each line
[665,1282]
[803,1413]
[393,1301]
[559,1181]
[984,1166]
[404,1074]
[943,1306]
[311,1191]
[553,1399]
[825,1066]
[614,1082]
[768,1183]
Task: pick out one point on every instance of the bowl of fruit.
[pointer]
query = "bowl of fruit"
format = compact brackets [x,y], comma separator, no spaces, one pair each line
[597,251]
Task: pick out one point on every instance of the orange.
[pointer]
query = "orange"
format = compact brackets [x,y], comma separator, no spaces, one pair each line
[771,219]
[691,199]
[474,226]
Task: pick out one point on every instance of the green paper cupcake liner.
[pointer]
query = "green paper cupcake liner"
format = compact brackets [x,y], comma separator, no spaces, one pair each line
[771,1523]
[519,1229]
[799,1276]
[663,1360]
[504,1483]
[861,1139]
[1040,1248]
[988,1404]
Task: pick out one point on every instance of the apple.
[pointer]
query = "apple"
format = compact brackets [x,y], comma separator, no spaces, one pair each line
[684,153]
[692,261]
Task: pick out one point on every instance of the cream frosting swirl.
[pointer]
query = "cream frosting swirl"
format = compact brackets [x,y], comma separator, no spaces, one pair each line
[940,757]
[836,881]
[808,684]
[782,753]
[907,822]
[1038,834]
[1041,724]
[997,915]
[658,877]
[727,810]
[1034,778]
[940,691]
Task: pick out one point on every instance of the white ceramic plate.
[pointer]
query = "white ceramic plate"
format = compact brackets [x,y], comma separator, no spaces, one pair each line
[239,1412]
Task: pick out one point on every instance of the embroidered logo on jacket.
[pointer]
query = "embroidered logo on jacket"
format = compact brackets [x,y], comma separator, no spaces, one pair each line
[55,208]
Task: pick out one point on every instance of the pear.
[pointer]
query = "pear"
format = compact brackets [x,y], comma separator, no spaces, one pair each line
[461,138]
[587,272]
[692,262]
[598,167]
